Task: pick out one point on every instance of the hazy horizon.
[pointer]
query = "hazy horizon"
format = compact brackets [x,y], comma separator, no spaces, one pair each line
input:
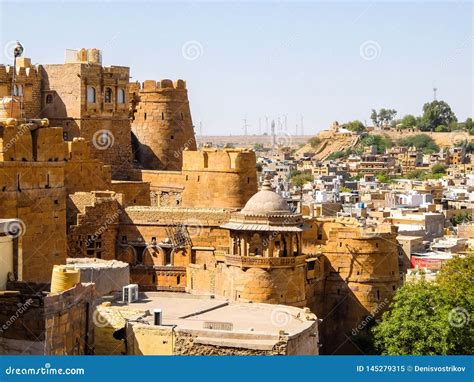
[323,61]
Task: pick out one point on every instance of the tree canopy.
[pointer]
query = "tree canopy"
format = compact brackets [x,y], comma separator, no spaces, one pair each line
[383,117]
[431,318]
[420,141]
[356,126]
[437,114]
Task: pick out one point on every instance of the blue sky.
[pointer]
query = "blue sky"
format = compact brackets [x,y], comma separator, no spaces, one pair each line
[325,61]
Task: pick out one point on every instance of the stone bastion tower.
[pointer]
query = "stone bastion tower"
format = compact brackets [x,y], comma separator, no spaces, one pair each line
[161,123]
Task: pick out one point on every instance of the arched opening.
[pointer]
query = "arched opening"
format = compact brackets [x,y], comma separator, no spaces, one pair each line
[90,94]
[121,96]
[108,95]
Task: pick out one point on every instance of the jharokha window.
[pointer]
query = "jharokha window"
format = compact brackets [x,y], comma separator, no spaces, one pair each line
[90,94]
[108,95]
[121,96]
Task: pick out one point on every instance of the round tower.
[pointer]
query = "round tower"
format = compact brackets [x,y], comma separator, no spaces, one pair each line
[161,123]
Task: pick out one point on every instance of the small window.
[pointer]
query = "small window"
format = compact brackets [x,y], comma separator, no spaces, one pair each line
[18,90]
[121,96]
[49,98]
[172,137]
[144,117]
[90,94]
[378,295]
[178,280]
[108,95]
[124,239]
[162,116]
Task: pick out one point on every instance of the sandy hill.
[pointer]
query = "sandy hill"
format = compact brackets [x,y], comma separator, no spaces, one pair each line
[330,141]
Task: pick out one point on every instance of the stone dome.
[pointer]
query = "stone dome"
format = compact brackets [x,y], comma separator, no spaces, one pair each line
[266,202]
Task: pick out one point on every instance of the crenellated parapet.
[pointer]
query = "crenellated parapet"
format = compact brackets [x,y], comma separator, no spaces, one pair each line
[230,160]
[153,86]
[27,86]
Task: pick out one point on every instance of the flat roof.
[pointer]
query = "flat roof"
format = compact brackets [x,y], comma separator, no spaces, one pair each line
[186,311]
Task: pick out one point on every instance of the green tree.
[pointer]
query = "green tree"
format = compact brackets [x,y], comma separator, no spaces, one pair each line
[414,325]
[420,141]
[436,113]
[461,218]
[356,126]
[375,117]
[301,179]
[468,124]
[408,121]
[439,168]
[381,142]
[386,116]
[383,178]
[431,318]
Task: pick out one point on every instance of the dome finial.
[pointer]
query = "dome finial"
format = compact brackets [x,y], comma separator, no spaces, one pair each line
[266,185]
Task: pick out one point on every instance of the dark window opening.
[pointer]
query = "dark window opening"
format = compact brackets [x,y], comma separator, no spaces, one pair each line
[108,95]
[144,117]
[378,295]
[49,98]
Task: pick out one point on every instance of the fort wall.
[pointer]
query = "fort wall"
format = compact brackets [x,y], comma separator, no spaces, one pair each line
[162,123]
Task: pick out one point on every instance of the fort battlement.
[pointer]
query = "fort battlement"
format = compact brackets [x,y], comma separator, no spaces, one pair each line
[227,160]
[30,71]
[153,86]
